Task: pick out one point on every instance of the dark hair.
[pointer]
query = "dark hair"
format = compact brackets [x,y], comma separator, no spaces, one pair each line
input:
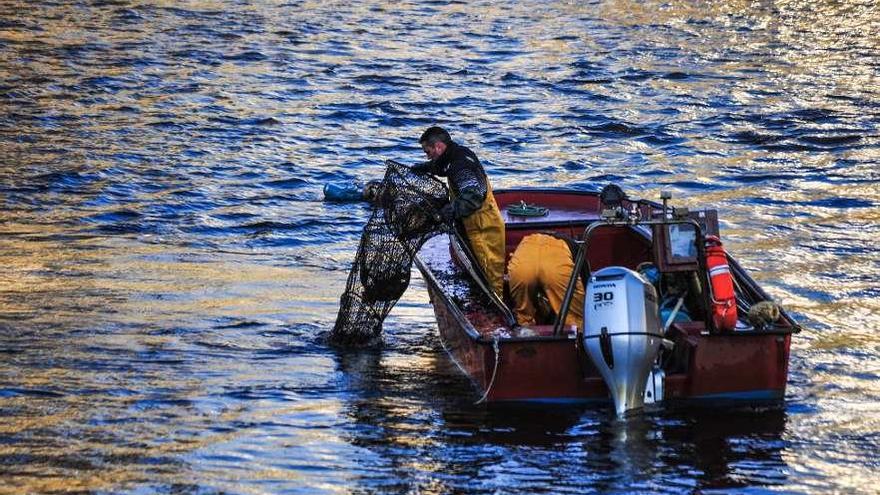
[435,134]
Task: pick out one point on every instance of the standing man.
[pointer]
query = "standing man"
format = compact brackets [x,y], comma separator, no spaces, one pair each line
[471,201]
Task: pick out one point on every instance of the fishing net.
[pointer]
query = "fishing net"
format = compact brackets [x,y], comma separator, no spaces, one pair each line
[406,213]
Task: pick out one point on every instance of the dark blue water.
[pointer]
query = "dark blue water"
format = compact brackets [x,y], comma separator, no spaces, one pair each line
[169,268]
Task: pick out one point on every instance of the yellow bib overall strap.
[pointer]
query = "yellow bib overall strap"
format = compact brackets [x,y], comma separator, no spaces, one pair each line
[485,233]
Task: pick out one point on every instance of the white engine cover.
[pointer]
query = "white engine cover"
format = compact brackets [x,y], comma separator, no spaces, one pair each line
[622,332]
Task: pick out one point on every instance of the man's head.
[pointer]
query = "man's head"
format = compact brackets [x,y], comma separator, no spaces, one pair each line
[434,142]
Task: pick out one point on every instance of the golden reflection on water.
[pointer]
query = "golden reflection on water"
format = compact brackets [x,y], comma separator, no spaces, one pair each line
[104,298]
[132,282]
[88,284]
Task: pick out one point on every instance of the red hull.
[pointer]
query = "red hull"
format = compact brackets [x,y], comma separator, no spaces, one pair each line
[743,367]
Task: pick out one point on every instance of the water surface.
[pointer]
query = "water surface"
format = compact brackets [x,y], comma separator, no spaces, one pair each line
[169,267]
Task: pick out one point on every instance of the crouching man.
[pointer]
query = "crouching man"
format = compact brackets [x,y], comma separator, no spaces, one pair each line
[542,264]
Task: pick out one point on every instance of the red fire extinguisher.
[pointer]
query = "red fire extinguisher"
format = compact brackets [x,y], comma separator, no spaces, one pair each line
[720,285]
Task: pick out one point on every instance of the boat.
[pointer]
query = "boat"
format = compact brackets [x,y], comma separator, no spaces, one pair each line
[647,352]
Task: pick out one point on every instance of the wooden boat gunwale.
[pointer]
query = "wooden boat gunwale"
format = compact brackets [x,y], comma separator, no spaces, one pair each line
[463,320]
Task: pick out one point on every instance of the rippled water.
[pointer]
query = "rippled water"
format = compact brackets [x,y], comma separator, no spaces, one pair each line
[169,267]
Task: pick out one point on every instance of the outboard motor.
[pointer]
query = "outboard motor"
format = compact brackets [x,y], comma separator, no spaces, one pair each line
[622,332]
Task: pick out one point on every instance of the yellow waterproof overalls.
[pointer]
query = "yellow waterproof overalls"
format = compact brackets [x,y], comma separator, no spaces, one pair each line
[485,232]
[543,262]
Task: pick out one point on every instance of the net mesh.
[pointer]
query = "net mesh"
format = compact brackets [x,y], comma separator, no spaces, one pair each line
[406,213]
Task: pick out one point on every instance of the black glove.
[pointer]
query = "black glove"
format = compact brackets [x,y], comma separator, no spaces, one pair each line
[447,213]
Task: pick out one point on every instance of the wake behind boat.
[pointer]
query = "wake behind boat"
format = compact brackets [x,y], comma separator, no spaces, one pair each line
[669,318]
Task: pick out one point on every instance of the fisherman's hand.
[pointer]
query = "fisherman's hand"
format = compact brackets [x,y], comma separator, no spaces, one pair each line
[447,214]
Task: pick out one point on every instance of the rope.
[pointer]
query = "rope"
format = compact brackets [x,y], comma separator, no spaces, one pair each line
[497,349]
